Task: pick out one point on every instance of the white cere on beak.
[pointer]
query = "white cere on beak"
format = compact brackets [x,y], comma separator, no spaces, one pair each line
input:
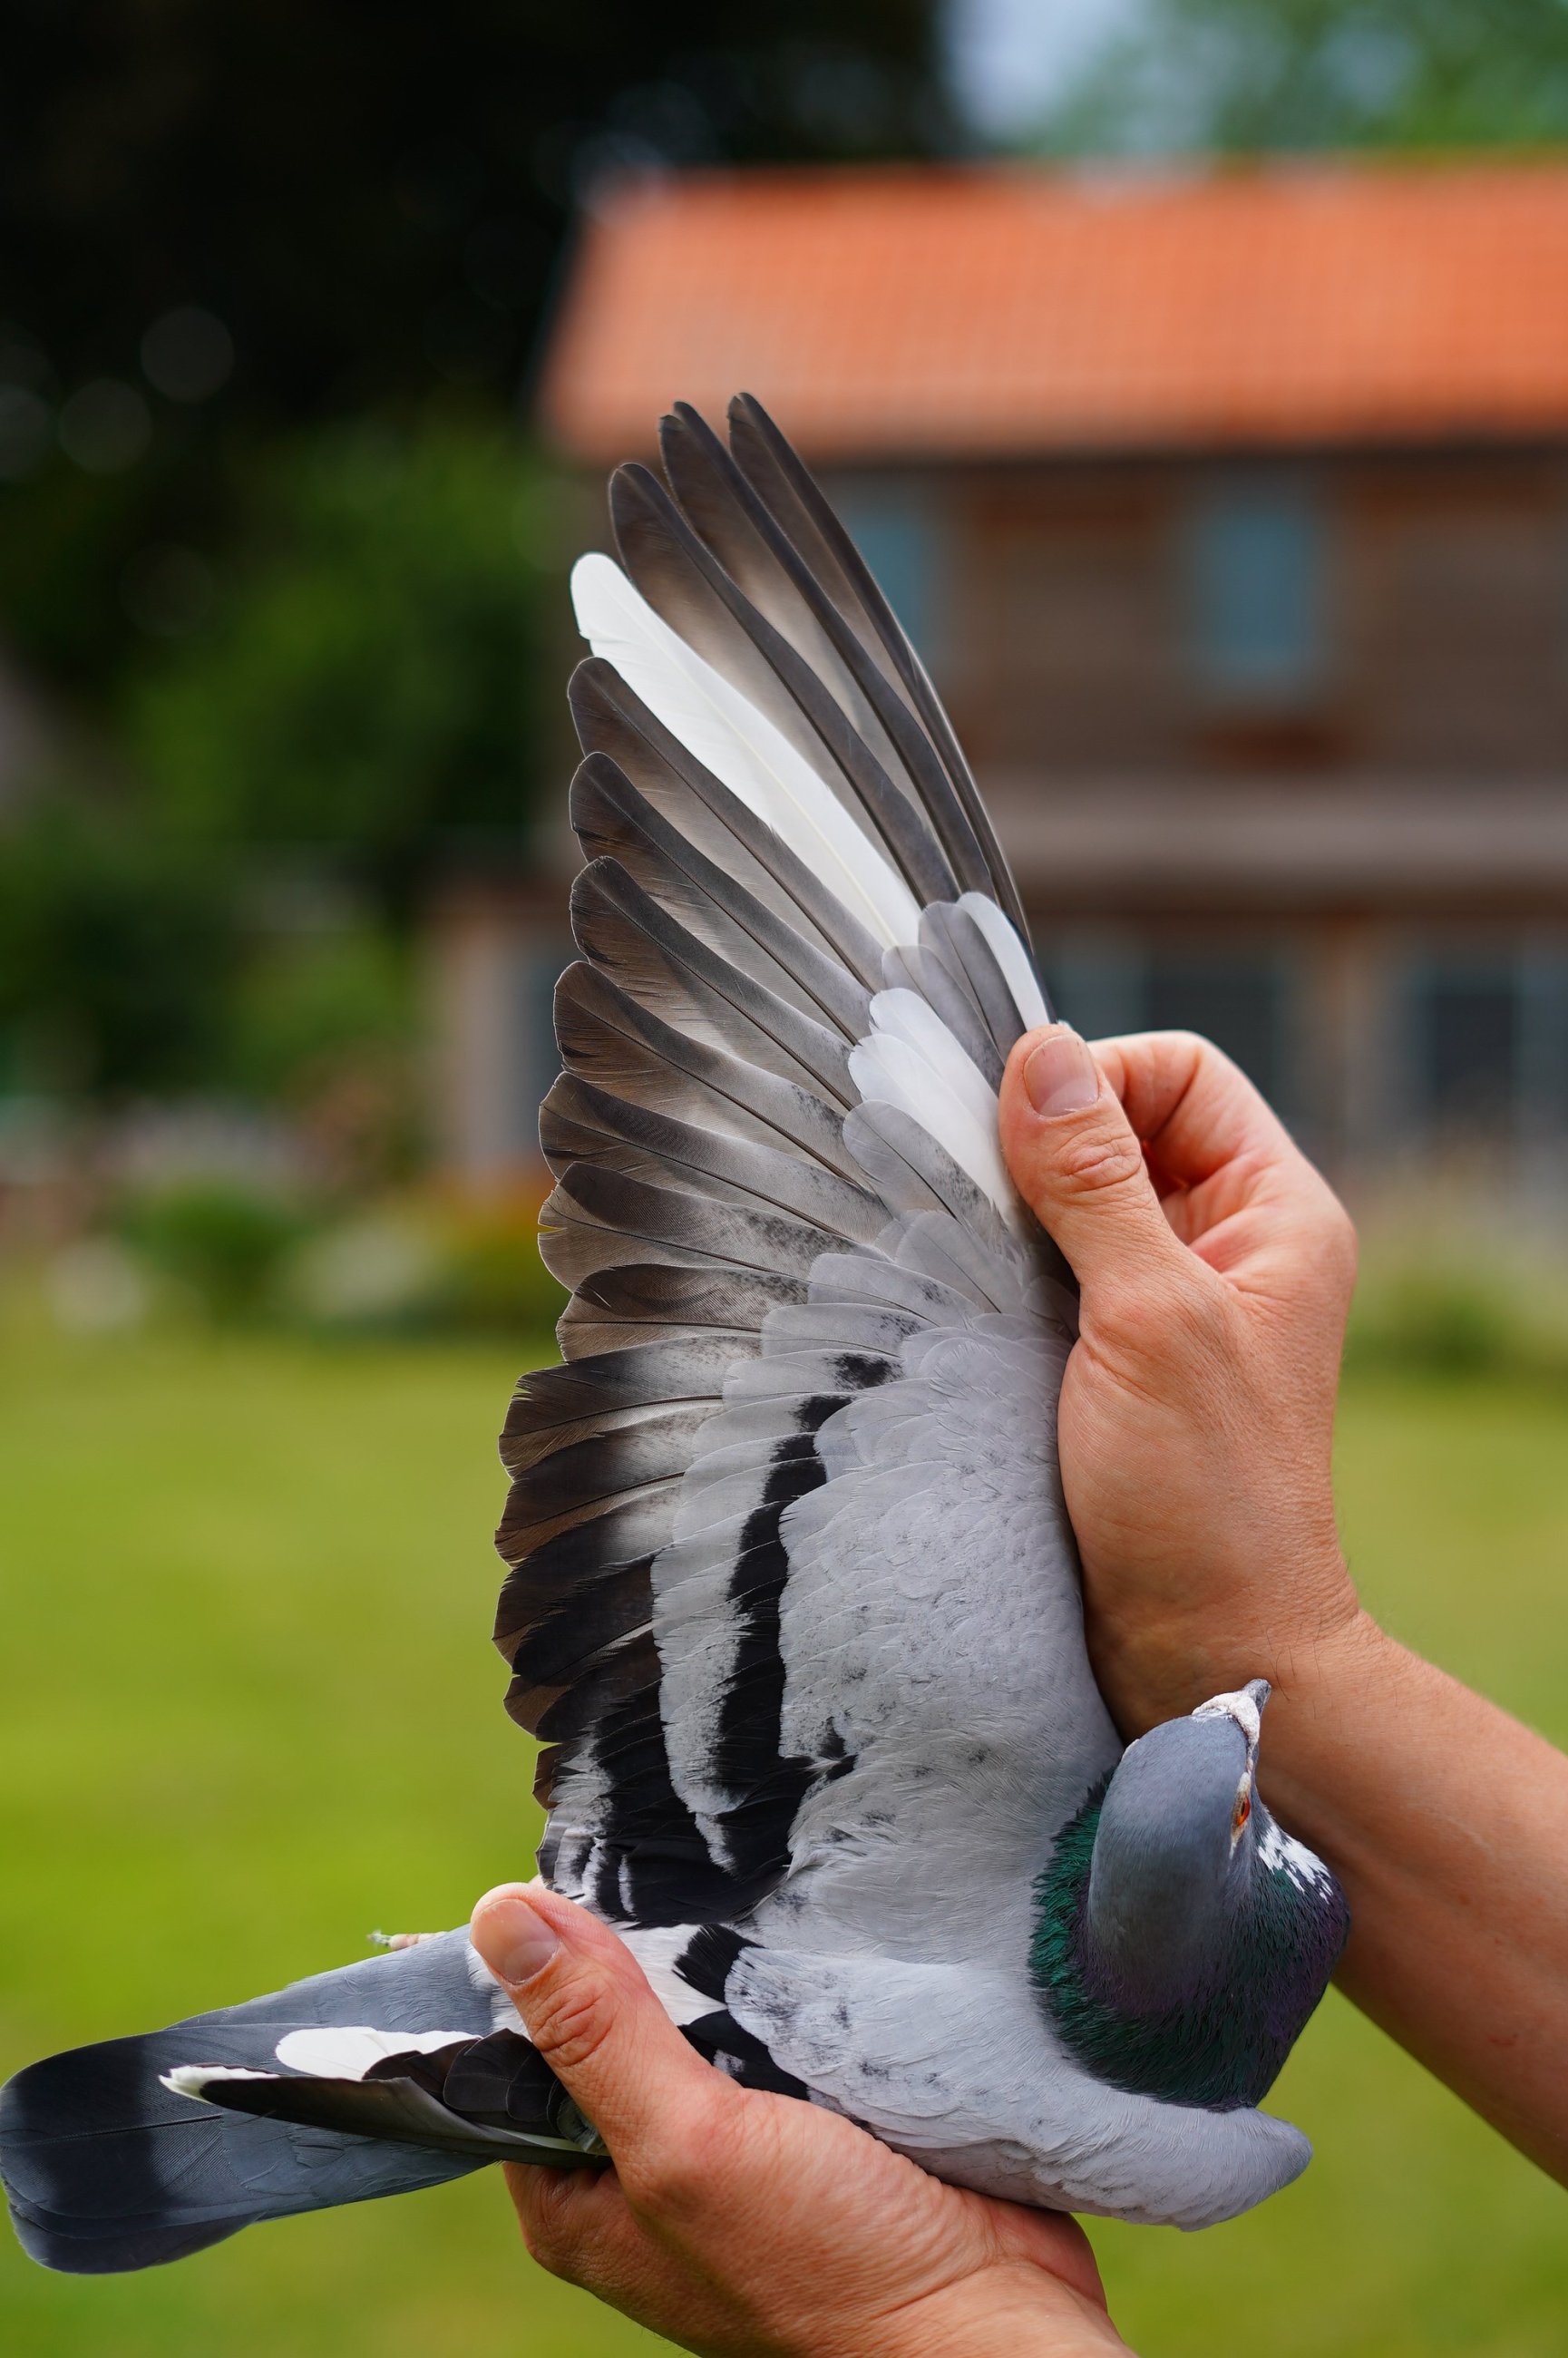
[1243,1707]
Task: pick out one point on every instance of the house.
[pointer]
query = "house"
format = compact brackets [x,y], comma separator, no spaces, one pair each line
[1230,512]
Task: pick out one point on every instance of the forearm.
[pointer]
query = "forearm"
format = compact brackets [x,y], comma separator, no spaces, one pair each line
[1447,1825]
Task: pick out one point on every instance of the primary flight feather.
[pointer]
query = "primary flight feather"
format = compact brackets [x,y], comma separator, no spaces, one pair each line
[792,1606]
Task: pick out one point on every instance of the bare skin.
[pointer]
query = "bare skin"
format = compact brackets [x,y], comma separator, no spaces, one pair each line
[1196,1428]
[1196,1421]
[744,2225]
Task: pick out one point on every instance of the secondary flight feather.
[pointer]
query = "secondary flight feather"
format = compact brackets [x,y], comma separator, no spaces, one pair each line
[791,1603]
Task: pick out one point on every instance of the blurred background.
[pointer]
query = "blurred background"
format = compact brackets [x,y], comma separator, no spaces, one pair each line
[1194,375]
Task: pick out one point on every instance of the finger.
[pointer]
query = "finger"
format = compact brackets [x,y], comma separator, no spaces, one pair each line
[569,2216]
[1236,1186]
[1077,1164]
[585,2005]
[1191,1107]
[581,2228]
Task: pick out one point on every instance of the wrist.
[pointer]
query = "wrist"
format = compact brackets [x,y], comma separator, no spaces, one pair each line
[1157,1655]
[1323,1729]
[1010,2310]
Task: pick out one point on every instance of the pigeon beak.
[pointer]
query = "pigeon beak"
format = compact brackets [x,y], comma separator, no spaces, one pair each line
[1243,1704]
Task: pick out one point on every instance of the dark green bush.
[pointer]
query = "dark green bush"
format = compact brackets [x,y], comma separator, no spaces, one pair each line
[365,690]
[1439,1318]
[224,1244]
[117,947]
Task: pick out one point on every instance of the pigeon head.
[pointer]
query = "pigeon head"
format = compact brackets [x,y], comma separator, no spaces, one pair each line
[1183,1937]
[1175,1849]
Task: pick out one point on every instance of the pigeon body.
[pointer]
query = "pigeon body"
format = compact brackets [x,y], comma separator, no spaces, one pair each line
[794,1603]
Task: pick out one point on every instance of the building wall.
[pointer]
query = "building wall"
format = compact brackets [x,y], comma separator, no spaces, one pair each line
[1391,636]
[1281,752]
[1058,604]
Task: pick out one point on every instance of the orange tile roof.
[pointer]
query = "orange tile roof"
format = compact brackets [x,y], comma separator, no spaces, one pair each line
[1002,310]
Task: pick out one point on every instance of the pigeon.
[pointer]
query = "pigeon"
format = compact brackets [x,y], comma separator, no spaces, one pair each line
[792,1604]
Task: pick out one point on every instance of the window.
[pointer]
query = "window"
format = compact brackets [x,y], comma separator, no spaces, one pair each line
[1466,1043]
[1543,1045]
[1481,1044]
[1239,998]
[896,530]
[1236,998]
[1253,568]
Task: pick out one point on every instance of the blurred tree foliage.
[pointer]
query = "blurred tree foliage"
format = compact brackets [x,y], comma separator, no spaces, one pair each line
[226,218]
[1254,76]
[324,1025]
[363,689]
[270,277]
[117,946]
[305,1005]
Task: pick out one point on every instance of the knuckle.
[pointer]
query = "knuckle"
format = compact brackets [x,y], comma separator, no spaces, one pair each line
[546,2235]
[543,2247]
[1097,1160]
[1337,1238]
[1130,1313]
[1323,1243]
[570,2025]
[1200,1320]
[663,2181]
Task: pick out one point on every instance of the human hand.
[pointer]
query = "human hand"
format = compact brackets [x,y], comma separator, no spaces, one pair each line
[744,2225]
[1197,1415]
[1197,1418]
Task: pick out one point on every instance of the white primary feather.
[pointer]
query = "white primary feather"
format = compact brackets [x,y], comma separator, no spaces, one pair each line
[904,1015]
[887,1070]
[1011,957]
[911,1060]
[742,747]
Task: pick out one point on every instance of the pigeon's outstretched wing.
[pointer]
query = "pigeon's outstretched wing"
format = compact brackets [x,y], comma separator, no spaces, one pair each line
[779,1193]
[794,1603]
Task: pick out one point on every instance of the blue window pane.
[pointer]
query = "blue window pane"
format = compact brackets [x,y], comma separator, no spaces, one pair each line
[1254,563]
[1239,998]
[896,532]
[1098,985]
[1466,1025]
[1543,1042]
[1236,1000]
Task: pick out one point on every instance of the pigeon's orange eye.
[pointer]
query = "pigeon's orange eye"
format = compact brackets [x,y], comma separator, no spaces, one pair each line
[1243,1812]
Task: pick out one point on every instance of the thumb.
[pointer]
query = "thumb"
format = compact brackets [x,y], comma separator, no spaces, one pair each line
[587,2006]
[1076,1162]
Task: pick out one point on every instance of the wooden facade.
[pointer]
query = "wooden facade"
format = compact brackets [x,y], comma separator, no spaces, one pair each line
[1347,858]
[1274,723]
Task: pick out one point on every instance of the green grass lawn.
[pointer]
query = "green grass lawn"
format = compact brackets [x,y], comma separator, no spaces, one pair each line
[250,1712]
